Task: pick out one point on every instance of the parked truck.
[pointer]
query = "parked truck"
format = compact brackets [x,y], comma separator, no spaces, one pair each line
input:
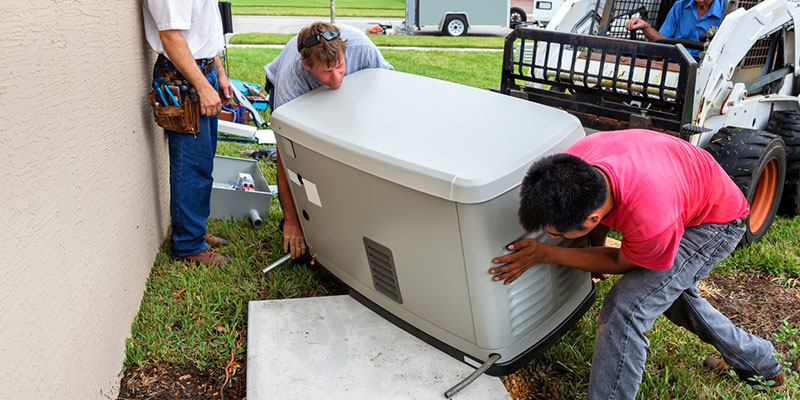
[542,11]
[740,101]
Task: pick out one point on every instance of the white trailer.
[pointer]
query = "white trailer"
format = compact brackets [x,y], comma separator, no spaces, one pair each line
[455,17]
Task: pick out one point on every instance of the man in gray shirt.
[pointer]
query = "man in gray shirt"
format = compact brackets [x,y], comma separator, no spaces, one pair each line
[321,54]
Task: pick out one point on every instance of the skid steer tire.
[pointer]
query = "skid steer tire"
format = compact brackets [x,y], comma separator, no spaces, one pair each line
[786,124]
[756,161]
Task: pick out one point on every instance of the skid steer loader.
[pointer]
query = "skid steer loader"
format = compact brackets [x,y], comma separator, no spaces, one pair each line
[739,101]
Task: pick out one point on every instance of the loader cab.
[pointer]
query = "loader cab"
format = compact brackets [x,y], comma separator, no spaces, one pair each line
[611,16]
[765,57]
[765,64]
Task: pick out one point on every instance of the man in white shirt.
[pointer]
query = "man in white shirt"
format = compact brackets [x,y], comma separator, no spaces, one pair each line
[187,35]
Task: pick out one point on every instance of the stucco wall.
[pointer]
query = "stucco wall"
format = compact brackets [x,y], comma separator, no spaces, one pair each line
[83,193]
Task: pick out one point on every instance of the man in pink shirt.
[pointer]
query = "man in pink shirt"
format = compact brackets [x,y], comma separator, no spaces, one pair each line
[680,215]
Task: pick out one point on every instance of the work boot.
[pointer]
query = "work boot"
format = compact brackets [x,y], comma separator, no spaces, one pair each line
[717,365]
[208,257]
[215,241]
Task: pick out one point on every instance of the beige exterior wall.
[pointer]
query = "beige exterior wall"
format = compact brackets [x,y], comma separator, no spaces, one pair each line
[83,193]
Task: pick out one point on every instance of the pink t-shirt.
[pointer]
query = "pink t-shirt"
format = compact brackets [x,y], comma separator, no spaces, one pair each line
[661,185]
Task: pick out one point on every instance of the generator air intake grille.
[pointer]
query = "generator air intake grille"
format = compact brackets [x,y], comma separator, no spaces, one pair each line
[381,265]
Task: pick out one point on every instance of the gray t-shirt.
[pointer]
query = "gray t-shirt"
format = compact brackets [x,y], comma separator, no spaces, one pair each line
[292,79]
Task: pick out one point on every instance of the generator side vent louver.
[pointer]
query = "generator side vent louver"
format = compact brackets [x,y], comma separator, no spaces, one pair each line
[381,265]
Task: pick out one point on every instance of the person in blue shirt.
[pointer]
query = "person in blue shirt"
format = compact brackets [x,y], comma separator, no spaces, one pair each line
[687,19]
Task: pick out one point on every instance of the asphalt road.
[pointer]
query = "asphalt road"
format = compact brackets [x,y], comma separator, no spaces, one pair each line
[292,25]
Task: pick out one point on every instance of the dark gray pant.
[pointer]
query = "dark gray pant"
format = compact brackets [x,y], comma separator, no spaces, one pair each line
[633,303]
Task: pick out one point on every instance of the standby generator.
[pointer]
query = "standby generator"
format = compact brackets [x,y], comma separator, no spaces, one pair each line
[407,187]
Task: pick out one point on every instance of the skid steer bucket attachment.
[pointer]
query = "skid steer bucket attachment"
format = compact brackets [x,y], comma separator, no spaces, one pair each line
[608,83]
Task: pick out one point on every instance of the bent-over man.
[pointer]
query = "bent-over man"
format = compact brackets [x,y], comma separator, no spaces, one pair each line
[321,54]
[680,215]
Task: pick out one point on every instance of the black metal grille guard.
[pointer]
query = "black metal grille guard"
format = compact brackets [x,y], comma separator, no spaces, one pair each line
[603,99]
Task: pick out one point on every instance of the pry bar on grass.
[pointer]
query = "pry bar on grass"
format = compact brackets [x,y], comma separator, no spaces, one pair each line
[277,263]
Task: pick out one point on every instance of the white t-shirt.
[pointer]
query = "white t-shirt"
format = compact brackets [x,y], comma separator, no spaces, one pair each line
[198,20]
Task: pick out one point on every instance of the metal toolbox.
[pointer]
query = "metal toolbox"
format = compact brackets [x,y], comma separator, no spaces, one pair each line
[227,202]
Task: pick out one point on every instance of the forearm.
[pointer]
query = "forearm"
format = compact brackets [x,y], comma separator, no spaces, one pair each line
[599,260]
[221,74]
[651,34]
[220,69]
[285,195]
[180,56]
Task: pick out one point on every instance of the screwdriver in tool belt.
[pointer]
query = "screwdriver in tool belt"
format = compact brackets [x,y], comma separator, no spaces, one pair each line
[160,94]
[171,97]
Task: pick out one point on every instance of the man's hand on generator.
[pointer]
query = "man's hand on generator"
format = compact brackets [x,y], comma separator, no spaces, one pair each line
[293,239]
[526,253]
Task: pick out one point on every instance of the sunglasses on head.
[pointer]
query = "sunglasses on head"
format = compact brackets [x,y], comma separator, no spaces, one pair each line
[314,40]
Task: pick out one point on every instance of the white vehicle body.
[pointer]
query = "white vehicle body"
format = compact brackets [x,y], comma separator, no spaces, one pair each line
[544,11]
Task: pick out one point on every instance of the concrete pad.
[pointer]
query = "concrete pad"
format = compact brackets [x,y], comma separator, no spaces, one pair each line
[335,348]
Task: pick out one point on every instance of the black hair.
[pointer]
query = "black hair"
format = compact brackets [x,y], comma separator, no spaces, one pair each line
[561,191]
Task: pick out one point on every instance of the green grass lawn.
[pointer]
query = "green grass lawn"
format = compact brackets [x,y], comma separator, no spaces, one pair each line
[344,8]
[476,42]
[195,315]
[474,68]
[778,252]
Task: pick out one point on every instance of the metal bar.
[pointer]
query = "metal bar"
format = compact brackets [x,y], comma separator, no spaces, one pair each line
[546,58]
[572,64]
[506,78]
[767,79]
[646,80]
[276,264]
[474,375]
[615,74]
[560,56]
[606,111]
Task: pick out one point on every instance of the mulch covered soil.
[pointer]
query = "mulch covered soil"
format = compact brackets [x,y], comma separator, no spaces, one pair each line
[755,302]
[177,383]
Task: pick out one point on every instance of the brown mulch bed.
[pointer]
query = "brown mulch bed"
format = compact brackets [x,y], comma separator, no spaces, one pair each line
[754,302]
[179,383]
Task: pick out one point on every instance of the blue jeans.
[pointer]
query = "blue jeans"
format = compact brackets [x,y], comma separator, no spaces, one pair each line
[634,302]
[191,160]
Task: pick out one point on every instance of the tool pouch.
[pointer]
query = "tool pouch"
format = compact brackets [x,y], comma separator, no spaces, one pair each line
[183,118]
